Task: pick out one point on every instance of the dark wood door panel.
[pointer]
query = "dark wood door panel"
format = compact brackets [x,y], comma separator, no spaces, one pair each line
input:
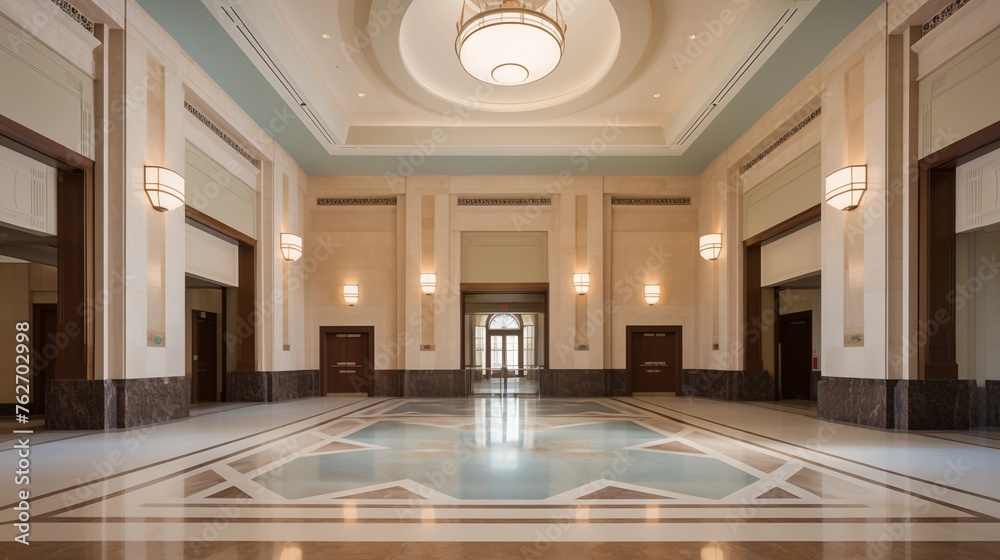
[346,356]
[653,356]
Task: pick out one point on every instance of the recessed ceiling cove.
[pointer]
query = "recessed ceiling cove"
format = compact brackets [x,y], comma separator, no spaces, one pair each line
[425,47]
[636,77]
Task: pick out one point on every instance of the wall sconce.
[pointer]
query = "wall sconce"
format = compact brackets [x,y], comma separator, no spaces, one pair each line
[351,294]
[165,188]
[710,246]
[581,282]
[428,282]
[291,246]
[845,187]
[652,293]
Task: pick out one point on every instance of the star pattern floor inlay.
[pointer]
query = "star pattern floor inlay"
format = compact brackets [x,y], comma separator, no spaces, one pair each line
[521,470]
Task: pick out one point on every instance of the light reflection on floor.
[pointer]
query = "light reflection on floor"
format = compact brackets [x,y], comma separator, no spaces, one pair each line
[482,470]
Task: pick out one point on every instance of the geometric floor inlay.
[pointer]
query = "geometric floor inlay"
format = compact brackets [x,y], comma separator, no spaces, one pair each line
[570,470]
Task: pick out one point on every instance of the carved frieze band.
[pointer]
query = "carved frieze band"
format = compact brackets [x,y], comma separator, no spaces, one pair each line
[220,133]
[942,16]
[784,138]
[75,14]
[463,201]
[367,201]
[650,201]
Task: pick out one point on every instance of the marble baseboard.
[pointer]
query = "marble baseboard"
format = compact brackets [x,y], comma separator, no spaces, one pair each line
[867,402]
[617,382]
[141,402]
[82,404]
[935,405]
[246,386]
[79,404]
[991,418]
[271,386]
[291,385]
[438,383]
[723,385]
[573,383]
[388,383]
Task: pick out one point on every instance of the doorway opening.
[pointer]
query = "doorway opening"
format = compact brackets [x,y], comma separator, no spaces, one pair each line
[791,342]
[47,256]
[504,338]
[346,361]
[210,312]
[654,355]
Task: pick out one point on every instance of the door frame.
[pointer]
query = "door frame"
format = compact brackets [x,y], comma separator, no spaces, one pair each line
[936,250]
[753,311]
[779,374]
[679,348]
[75,219]
[501,288]
[324,365]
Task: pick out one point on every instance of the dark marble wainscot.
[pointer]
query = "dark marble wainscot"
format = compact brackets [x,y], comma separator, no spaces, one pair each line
[617,382]
[72,404]
[388,383]
[141,402]
[992,416]
[724,385]
[935,404]
[291,385]
[271,386]
[436,383]
[867,402]
[79,404]
[573,383]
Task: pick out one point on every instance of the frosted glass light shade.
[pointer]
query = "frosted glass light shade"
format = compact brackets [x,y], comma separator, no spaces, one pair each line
[581,282]
[291,247]
[165,188]
[845,187]
[710,246]
[351,294]
[428,282]
[509,43]
[652,293]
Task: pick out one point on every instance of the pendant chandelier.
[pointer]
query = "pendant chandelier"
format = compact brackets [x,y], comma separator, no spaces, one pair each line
[510,42]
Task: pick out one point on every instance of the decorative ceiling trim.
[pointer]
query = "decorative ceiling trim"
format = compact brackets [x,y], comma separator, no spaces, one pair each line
[942,16]
[75,14]
[348,201]
[464,201]
[650,201]
[781,140]
[220,133]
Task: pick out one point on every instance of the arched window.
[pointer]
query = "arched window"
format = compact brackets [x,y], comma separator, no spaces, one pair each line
[504,321]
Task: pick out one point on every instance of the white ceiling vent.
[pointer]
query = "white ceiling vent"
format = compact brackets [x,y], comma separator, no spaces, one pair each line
[253,44]
[751,62]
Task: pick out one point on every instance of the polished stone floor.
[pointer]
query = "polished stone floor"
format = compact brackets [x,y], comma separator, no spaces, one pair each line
[649,477]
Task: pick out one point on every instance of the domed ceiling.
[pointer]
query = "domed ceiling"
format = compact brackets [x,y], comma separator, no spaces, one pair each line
[643,86]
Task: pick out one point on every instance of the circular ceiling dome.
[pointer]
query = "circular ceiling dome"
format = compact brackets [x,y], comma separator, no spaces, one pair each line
[429,41]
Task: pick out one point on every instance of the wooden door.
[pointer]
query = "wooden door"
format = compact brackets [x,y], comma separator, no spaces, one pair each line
[204,357]
[346,357]
[45,329]
[654,358]
[795,354]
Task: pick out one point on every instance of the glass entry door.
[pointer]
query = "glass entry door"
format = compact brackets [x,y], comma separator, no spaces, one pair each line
[505,360]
